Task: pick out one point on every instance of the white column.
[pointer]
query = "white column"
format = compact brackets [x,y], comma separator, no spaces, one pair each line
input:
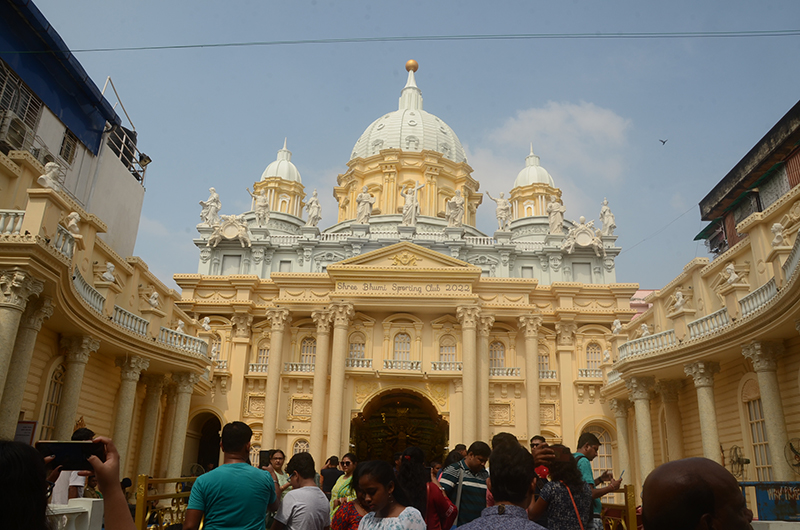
[669,390]
[342,314]
[130,369]
[279,318]
[764,356]
[30,324]
[468,315]
[323,321]
[531,324]
[639,392]
[184,385]
[16,287]
[152,400]
[485,324]
[170,403]
[78,350]
[703,374]
[620,408]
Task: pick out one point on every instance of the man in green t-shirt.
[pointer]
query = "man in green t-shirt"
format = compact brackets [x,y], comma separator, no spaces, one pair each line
[588,446]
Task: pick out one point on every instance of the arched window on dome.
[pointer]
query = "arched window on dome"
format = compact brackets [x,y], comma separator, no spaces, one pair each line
[283,204]
[52,402]
[497,355]
[308,350]
[447,349]
[402,347]
[300,446]
[528,207]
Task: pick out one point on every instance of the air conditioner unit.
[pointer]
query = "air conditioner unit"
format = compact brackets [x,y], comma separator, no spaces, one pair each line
[14,133]
[42,155]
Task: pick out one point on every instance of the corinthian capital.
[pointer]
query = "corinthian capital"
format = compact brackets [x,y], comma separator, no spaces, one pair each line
[468,315]
[154,382]
[278,318]
[531,323]
[669,389]
[242,322]
[763,355]
[36,313]
[702,372]
[343,312]
[485,324]
[640,387]
[566,332]
[16,286]
[79,348]
[620,407]
[131,366]
[185,381]
[323,321]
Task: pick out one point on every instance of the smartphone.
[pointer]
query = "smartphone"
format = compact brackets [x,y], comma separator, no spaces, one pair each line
[622,474]
[71,455]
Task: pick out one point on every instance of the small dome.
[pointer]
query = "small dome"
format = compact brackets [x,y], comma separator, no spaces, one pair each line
[410,128]
[533,173]
[282,167]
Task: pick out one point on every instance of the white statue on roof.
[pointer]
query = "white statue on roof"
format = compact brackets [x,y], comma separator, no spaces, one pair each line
[52,177]
[777,232]
[411,205]
[454,210]
[108,275]
[314,210]
[72,222]
[607,219]
[555,213]
[364,202]
[503,211]
[211,207]
[261,207]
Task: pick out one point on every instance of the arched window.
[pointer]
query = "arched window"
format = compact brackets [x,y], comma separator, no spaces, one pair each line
[544,360]
[604,461]
[262,358]
[402,347]
[300,446]
[497,355]
[447,349]
[216,347]
[255,453]
[357,345]
[52,402]
[283,205]
[308,350]
[751,396]
[528,209]
[594,355]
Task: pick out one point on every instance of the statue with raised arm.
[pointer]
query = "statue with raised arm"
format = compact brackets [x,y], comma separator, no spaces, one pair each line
[503,211]
[51,177]
[555,214]
[364,202]
[314,210]
[411,205]
[210,213]
[607,219]
[261,207]
[454,210]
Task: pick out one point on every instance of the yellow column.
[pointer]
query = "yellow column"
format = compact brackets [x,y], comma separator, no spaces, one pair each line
[620,408]
[342,313]
[530,323]
[323,321]
[639,391]
[78,351]
[184,385]
[485,324]
[130,369]
[16,286]
[565,350]
[703,374]
[279,318]
[669,390]
[152,400]
[468,315]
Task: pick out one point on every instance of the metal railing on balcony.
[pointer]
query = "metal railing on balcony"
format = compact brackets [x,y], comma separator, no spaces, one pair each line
[356,362]
[547,374]
[504,372]
[391,364]
[298,367]
[709,323]
[659,341]
[590,373]
[163,515]
[91,295]
[182,341]
[11,221]
[63,243]
[758,298]
[129,321]
[257,368]
[447,366]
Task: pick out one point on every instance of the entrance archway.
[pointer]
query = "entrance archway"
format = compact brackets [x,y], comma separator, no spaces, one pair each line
[396,419]
[202,441]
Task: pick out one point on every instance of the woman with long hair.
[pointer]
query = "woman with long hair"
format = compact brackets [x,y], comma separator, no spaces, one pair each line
[342,491]
[390,508]
[426,496]
[566,499]
[349,514]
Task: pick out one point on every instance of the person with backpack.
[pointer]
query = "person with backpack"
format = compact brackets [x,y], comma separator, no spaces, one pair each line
[566,499]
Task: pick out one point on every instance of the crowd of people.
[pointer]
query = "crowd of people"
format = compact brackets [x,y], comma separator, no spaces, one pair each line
[547,487]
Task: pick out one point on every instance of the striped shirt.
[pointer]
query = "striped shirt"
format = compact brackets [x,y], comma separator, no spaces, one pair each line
[473,490]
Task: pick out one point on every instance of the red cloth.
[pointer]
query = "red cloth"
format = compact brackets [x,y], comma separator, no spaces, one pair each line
[441,513]
[346,517]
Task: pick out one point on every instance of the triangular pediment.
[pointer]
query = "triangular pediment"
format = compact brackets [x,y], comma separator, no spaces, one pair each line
[405,256]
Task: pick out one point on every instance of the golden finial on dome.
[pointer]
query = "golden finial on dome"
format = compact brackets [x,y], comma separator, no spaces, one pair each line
[412,65]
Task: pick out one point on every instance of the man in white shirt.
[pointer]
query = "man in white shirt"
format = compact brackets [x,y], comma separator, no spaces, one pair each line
[305,507]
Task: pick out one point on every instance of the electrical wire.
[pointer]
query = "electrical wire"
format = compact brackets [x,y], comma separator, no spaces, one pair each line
[657,231]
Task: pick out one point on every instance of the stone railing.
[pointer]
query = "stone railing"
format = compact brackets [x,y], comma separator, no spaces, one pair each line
[182,341]
[709,323]
[95,300]
[481,241]
[391,364]
[221,365]
[11,221]
[547,374]
[528,246]
[792,260]
[446,366]
[257,368]
[298,367]
[504,372]
[356,362]
[129,321]
[335,237]
[659,341]
[64,243]
[79,514]
[758,298]
[613,377]
[430,236]
[284,239]
[590,373]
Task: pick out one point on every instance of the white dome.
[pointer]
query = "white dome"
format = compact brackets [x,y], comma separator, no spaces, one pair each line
[282,167]
[411,129]
[533,173]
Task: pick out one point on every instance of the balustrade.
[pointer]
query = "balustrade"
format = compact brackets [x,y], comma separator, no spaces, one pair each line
[659,341]
[590,373]
[528,246]
[792,260]
[709,323]
[547,374]
[257,368]
[758,298]
[284,239]
[221,365]
[11,221]
[64,243]
[613,377]
[481,241]
[356,362]
[446,366]
[91,295]
[182,341]
[298,367]
[129,321]
[391,364]
[504,372]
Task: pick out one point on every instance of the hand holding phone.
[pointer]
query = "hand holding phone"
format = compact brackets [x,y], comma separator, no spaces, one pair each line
[71,455]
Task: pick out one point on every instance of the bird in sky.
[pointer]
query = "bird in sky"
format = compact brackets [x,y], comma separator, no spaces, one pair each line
[663,142]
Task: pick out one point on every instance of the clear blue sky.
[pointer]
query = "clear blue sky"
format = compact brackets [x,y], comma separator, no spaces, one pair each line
[594,109]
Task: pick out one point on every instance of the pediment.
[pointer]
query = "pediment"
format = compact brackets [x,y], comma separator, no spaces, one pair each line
[403,256]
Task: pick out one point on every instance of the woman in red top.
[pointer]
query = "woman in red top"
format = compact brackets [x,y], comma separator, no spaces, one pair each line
[425,496]
[349,514]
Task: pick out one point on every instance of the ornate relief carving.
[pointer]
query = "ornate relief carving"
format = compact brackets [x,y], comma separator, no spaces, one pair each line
[620,407]
[323,321]
[501,413]
[438,391]
[566,332]
[669,389]
[255,405]
[405,259]
[300,408]
[185,381]
[531,323]
[364,389]
[549,413]
[485,324]
[343,313]
[241,323]
[16,286]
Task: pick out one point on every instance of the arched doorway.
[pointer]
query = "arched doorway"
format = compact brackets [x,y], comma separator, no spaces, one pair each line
[202,442]
[394,420]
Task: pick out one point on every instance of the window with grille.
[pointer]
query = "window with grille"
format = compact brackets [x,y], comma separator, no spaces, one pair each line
[402,347]
[17,98]
[300,446]
[447,349]
[357,345]
[497,355]
[263,353]
[255,454]
[594,355]
[758,435]
[52,402]
[544,360]
[216,347]
[604,461]
[69,146]
[308,350]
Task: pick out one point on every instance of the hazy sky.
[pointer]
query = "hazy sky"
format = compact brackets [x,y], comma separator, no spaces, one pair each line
[594,109]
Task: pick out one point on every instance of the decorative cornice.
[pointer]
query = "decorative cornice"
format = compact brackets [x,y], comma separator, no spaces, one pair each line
[36,313]
[343,313]
[185,381]
[278,318]
[131,366]
[468,316]
[323,321]
[640,387]
[485,324]
[764,355]
[79,348]
[620,407]
[669,389]
[16,286]
[702,372]
[531,323]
